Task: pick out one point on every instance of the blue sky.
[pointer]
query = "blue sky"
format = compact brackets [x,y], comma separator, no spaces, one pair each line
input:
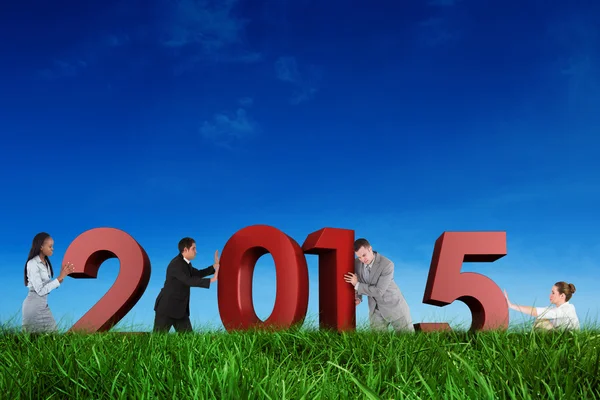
[399,120]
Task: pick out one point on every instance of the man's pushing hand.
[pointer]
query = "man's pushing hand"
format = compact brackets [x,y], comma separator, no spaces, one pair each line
[216,263]
[351,278]
[215,277]
[216,266]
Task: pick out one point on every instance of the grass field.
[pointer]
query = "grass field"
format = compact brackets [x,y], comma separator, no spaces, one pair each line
[301,364]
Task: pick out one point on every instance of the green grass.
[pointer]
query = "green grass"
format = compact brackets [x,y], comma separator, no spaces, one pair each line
[301,364]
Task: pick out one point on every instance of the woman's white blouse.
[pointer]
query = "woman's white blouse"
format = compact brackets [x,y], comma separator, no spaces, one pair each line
[563,316]
[38,275]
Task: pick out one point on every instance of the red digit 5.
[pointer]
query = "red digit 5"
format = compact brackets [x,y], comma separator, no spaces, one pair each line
[336,258]
[446,283]
[238,260]
[87,252]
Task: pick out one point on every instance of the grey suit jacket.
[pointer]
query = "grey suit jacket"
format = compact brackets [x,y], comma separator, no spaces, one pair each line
[382,290]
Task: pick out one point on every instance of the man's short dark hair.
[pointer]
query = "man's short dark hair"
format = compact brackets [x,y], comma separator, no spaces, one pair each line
[185,243]
[361,243]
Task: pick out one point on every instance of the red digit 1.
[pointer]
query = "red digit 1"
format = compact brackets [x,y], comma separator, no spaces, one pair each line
[446,283]
[87,252]
[238,260]
[336,257]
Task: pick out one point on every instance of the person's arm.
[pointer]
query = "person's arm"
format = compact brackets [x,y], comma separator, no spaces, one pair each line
[213,269]
[382,284]
[524,309]
[179,273]
[201,273]
[533,311]
[357,297]
[34,276]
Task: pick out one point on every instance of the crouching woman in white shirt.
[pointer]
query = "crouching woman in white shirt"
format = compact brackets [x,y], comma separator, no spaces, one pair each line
[561,315]
[37,316]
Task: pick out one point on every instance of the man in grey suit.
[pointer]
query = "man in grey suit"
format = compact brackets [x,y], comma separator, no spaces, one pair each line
[374,277]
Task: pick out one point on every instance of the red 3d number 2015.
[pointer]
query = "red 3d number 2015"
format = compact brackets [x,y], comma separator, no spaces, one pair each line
[334,248]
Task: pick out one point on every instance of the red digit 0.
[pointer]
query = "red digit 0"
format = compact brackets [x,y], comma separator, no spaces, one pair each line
[87,252]
[238,260]
[336,257]
[446,283]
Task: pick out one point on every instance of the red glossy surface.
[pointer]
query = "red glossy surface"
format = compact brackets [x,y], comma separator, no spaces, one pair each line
[335,248]
[238,260]
[447,284]
[87,252]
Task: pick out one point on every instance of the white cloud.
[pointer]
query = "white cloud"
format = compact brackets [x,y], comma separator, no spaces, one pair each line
[62,68]
[287,69]
[196,31]
[86,54]
[226,130]
[205,31]
[579,38]
[305,82]
[198,22]
[246,101]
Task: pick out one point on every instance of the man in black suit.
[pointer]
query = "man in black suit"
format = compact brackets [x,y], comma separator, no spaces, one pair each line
[172,305]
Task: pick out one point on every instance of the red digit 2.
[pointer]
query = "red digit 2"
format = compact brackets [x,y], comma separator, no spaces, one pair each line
[238,259]
[336,258]
[446,283]
[87,252]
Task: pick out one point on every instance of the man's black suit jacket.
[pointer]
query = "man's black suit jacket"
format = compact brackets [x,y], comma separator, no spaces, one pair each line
[174,298]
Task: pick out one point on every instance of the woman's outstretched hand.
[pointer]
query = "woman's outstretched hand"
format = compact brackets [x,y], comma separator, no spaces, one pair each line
[507,300]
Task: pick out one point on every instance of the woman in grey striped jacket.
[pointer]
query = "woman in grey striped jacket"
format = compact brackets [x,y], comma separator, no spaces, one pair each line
[37,316]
